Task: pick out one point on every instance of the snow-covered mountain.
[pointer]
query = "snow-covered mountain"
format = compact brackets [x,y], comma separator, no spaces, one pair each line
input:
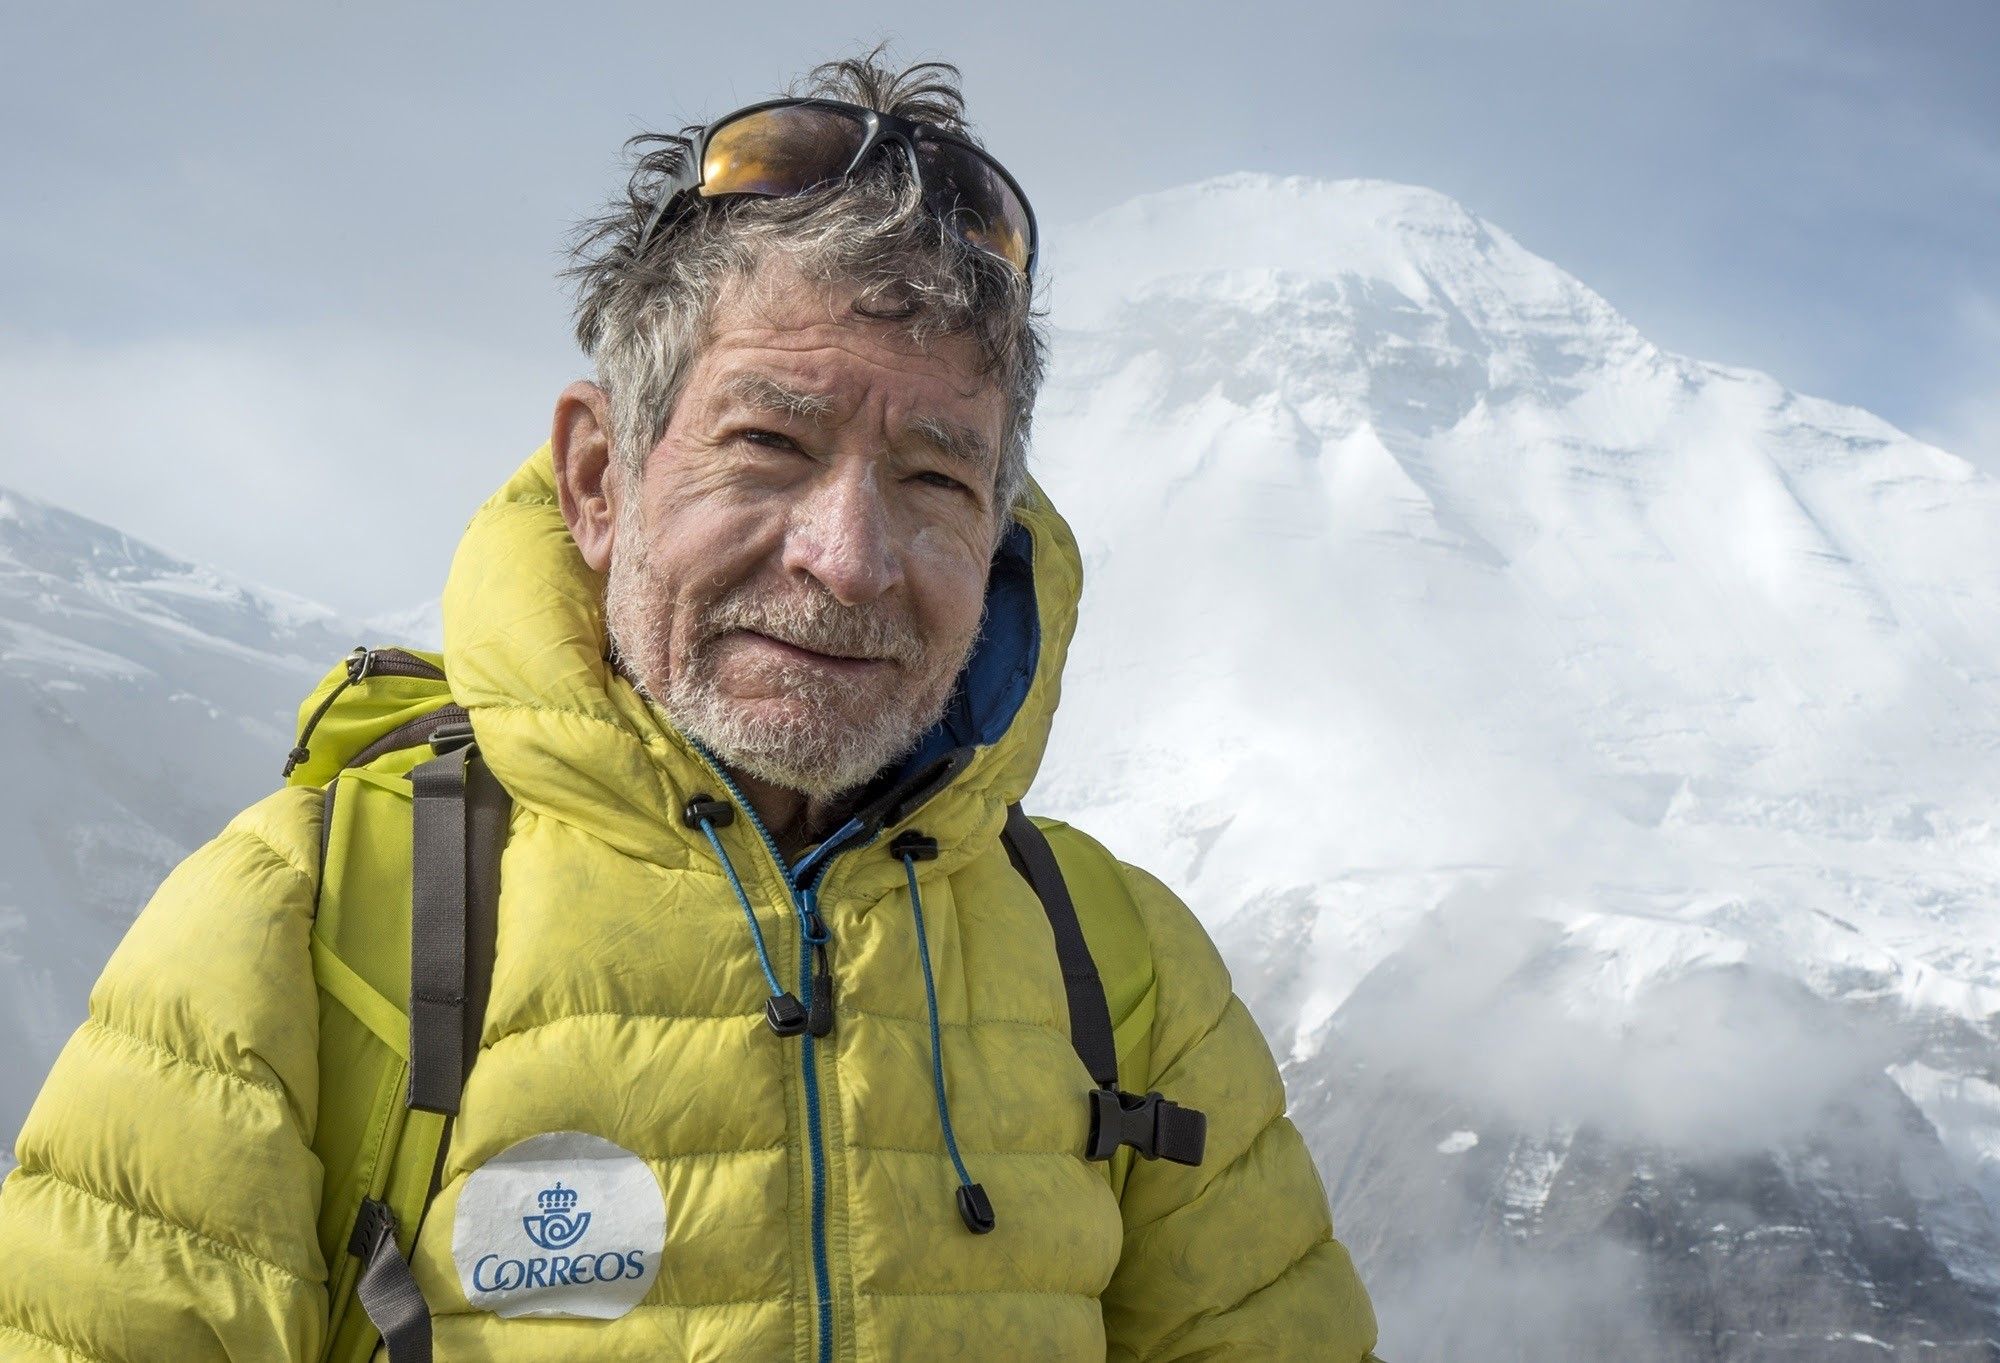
[143,701]
[1585,755]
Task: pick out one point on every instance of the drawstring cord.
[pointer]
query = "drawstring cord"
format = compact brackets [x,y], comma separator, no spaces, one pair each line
[974,1208]
[749,915]
[782,1010]
[787,1017]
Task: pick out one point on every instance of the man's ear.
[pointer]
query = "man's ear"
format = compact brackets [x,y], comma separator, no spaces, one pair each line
[580,441]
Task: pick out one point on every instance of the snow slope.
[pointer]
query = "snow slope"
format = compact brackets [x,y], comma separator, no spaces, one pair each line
[143,701]
[1439,629]
[1524,589]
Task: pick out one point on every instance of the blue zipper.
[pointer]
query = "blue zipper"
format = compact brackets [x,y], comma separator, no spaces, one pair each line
[821,1276]
[804,898]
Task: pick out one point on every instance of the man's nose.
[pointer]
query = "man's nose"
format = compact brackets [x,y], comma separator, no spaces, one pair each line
[843,534]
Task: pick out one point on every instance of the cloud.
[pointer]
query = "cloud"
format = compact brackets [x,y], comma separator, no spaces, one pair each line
[1492,1002]
[337,464]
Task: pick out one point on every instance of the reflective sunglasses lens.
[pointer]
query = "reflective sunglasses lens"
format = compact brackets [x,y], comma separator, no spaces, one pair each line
[976,201]
[782,151]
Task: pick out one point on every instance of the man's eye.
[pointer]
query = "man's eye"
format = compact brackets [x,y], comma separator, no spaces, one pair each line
[769,439]
[944,480]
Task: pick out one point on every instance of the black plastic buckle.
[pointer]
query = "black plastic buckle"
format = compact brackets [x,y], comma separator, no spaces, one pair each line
[1152,1125]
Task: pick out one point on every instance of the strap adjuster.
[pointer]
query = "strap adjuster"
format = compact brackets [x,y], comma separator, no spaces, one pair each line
[372,1221]
[387,1289]
[1156,1127]
[451,737]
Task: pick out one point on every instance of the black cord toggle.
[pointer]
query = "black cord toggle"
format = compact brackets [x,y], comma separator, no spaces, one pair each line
[914,845]
[975,1208]
[721,813]
[785,1014]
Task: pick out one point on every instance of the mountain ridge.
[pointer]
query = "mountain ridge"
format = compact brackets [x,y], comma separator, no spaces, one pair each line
[1601,676]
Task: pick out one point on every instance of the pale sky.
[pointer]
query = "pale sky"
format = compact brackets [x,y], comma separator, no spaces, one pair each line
[277,279]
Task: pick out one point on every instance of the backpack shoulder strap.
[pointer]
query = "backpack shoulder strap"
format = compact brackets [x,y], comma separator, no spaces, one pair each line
[1089,1014]
[437,930]
[439,830]
[1116,935]
[1153,1125]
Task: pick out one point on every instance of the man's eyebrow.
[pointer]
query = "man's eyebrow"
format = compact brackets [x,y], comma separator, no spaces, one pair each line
[766,394]
[952,440]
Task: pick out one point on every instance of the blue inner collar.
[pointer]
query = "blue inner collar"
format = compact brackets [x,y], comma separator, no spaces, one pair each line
[994,682]
[991,688]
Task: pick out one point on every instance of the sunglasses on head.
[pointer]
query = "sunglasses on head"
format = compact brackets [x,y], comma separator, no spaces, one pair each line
[786,147]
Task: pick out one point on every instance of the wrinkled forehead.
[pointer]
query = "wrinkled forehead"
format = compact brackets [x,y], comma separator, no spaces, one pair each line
[758,391]
[815,353]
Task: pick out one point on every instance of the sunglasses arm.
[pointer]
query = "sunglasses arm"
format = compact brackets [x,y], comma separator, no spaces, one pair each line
[683,183]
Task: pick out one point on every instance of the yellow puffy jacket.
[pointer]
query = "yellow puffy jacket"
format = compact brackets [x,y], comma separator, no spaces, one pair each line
[165,1203]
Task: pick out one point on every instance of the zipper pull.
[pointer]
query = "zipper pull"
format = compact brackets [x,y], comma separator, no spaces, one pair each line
[364,662]
[357,668]
[820,1019]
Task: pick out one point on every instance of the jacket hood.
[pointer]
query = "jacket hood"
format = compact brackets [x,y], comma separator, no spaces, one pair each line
[525,647]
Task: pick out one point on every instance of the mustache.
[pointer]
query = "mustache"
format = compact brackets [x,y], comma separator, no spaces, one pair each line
[817,622]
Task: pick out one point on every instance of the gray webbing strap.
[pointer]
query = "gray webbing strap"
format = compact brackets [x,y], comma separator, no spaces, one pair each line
[487,809]
[387,1289]
[1156,1127]
[1089,1015]
[458,825]
[437,931]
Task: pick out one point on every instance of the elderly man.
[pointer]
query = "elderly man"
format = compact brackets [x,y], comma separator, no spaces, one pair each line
[784,1047]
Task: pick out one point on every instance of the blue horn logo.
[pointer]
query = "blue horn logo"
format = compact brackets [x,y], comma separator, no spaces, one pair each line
[560,1225]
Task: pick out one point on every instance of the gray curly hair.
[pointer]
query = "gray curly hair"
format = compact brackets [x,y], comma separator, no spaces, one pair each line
[643,308]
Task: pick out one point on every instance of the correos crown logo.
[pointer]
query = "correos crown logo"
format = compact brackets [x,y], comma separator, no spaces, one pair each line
[565,1223]
[557,1227]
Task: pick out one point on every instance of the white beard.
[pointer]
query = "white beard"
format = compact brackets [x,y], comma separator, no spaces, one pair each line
[820,739]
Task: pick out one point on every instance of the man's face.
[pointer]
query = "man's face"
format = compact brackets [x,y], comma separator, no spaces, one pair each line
[798,575]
